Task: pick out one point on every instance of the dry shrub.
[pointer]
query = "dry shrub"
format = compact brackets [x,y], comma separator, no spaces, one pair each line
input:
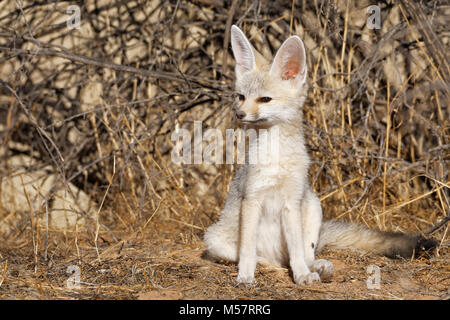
[96,106]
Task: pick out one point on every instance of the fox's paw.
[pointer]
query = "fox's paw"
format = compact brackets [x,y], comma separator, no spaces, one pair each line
[310,278]
[324,268]
[245,279]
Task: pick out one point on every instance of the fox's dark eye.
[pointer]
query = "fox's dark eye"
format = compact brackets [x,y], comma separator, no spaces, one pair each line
[264,99]
[241,97]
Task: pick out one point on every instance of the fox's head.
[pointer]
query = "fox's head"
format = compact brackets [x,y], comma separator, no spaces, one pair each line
[269,94]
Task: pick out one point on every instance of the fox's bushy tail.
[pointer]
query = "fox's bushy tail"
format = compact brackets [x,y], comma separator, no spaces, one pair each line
[343,235]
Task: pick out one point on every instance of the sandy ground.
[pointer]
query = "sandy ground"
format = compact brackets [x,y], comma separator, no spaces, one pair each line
[149,267]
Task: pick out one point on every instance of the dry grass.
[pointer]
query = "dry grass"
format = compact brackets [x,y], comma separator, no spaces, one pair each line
[95,107]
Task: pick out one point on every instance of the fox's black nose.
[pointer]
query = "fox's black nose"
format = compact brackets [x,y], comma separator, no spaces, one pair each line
[240,114]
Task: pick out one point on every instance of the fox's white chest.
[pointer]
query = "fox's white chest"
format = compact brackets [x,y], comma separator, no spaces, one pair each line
[275,179]
[270,242]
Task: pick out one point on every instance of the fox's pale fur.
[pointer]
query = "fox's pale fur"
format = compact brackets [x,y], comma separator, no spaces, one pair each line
[271,215]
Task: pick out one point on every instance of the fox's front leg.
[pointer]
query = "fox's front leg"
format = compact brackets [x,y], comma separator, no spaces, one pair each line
[311,221]
[250,213]
[292,227]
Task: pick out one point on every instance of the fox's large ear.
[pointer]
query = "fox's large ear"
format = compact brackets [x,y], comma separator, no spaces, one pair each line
[242,51]
[290,61]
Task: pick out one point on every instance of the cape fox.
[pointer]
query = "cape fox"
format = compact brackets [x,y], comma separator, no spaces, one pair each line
[271,215]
